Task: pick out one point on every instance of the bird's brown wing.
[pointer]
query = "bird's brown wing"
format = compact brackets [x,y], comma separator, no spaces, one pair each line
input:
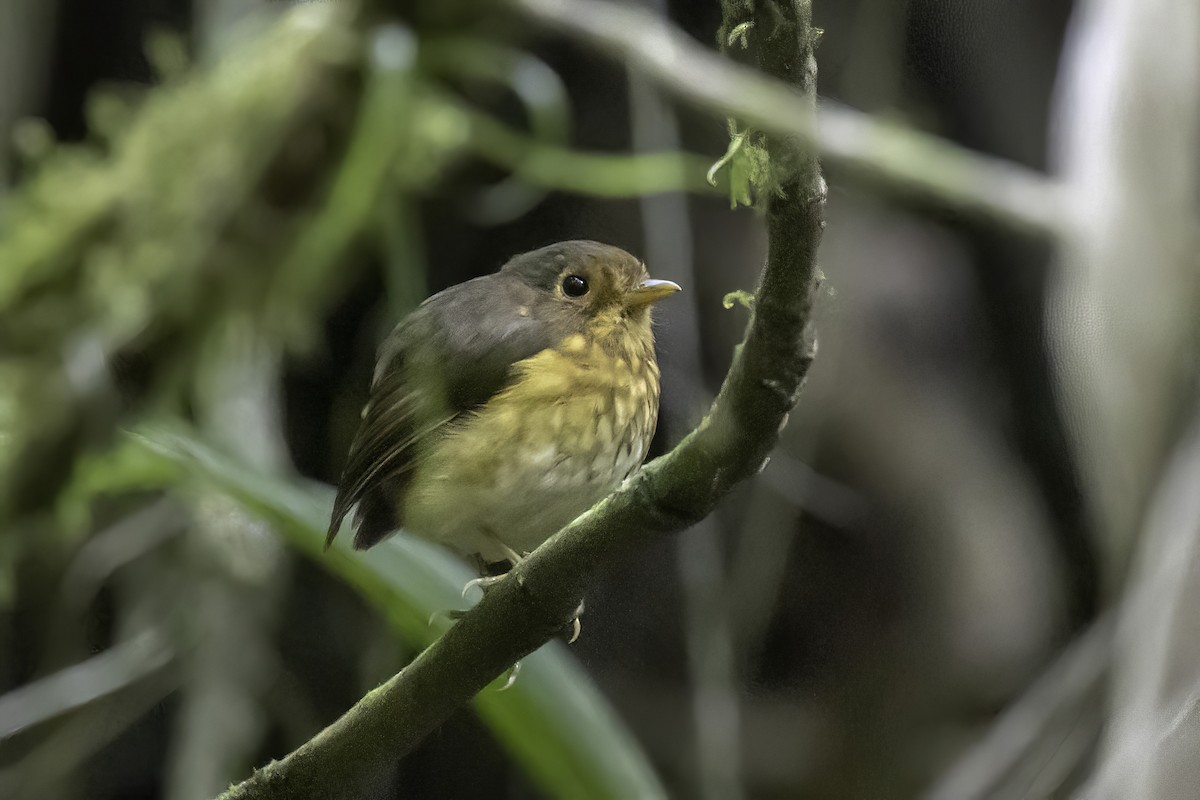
[450,355]
[381,457]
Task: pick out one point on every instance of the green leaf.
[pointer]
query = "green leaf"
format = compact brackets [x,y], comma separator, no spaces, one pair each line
[553,721]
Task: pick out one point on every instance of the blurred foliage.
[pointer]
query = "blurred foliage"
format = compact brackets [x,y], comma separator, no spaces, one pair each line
[143,244]
[551,719]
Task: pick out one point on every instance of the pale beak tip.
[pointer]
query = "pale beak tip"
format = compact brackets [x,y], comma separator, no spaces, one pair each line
[651,291]
[660,285]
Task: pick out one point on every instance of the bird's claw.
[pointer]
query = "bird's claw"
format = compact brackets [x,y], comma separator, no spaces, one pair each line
[483,583]
[576,625]
[486,582]
[451,614]
[513,672]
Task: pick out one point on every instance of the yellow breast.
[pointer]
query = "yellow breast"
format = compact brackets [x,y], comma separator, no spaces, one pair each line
[575,422]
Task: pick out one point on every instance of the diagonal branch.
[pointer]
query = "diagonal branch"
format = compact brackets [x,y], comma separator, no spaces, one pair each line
[933,169]
[541,594]
[104,674]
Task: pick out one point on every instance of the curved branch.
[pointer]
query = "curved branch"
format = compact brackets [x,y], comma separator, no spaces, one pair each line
[541,594]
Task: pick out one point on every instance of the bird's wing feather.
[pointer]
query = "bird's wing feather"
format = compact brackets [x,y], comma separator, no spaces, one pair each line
[448,357]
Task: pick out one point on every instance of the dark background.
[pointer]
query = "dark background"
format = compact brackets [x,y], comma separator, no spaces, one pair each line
[882,620]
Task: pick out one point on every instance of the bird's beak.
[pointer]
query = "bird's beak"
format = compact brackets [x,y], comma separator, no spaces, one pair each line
[650,291]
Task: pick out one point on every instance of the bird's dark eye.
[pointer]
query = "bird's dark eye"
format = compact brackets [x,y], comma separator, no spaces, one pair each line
[574,286]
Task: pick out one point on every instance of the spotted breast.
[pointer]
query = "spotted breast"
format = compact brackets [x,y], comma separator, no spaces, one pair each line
[576,422]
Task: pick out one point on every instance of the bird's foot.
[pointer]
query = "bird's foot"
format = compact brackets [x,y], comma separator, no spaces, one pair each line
[575,625]
[452,614]
[511,678]
[484,583]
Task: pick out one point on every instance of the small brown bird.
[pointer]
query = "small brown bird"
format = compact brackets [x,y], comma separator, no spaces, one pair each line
[505,406]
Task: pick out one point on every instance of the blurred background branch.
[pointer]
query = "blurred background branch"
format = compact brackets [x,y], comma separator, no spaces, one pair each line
[884,152]
[1124,315]
[102,675]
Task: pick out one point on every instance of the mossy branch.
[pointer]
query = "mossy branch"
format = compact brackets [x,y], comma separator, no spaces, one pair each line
[668,495]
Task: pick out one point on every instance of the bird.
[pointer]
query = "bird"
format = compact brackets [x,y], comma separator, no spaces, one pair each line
[503,407]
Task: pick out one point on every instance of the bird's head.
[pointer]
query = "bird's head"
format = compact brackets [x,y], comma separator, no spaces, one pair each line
[591,288]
